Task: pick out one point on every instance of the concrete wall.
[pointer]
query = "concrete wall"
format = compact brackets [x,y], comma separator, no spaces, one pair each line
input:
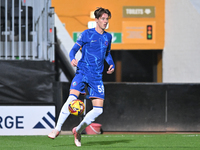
[145,107]
[182,44]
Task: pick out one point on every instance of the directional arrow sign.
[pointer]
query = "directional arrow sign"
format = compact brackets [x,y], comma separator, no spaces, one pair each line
[76,35]
[116,37]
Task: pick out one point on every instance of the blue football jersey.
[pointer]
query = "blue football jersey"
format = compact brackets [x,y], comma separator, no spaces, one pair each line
[95,48]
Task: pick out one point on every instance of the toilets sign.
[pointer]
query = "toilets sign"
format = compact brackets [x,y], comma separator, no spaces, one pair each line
[139,12]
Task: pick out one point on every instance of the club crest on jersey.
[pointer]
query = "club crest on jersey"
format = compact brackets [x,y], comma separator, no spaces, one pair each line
[106,43]
[74,83]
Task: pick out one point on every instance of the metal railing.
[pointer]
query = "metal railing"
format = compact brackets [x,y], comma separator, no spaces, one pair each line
[27,30]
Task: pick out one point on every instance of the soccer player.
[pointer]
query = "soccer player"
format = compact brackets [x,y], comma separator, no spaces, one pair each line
[95,44]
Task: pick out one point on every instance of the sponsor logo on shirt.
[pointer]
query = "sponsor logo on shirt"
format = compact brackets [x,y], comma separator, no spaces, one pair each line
[93,41]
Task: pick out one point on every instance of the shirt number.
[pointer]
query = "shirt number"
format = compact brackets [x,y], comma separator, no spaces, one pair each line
[100,88]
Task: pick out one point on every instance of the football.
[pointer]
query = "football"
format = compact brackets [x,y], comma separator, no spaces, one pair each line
[76,107]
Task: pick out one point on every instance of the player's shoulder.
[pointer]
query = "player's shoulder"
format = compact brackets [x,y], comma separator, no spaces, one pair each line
[84,32]
[88,32]
[108,34]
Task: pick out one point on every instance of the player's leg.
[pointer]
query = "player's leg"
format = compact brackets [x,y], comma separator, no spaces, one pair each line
[96,92]
[76,88]
[64,113]
[91,115]
[88,119]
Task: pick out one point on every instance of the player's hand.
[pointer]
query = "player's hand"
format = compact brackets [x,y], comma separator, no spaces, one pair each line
[110,70]
[74,62]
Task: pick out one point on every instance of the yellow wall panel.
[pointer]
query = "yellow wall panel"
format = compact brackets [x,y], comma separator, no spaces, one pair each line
[75,15]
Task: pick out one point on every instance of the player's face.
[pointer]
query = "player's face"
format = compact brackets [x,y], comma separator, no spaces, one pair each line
[102,21]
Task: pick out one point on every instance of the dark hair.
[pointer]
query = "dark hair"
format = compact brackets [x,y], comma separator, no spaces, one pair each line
[100,11]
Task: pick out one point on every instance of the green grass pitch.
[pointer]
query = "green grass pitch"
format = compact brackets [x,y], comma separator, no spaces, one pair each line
[104,142]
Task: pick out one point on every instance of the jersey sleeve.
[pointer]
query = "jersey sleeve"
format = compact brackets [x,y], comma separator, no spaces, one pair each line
[73,51]
[81,39]
[108,57]
[79,43]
